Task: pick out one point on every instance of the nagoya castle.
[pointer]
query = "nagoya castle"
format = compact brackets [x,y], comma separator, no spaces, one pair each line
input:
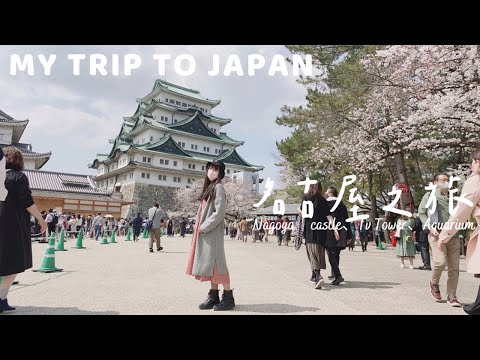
[165,145]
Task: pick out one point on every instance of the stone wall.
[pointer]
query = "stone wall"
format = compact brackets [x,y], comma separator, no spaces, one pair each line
[144,196]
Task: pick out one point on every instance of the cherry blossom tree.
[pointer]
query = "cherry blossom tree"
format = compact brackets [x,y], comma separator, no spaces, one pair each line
[240,199]
[421,98]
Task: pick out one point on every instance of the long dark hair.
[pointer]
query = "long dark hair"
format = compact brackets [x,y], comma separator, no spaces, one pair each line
[13,158]
[208,191]
[315,191]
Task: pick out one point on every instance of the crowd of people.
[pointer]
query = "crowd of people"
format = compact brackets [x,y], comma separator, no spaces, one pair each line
[95,226]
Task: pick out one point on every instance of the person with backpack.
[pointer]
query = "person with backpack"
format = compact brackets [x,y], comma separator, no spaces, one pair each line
[52,221]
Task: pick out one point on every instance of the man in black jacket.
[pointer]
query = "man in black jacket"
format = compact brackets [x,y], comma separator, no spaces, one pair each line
[421,237]
[337,240]
[136,225]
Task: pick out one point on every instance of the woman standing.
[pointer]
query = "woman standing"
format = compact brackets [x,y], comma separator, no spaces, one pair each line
[315,233]
[207,260]
[15,235]
[405,244]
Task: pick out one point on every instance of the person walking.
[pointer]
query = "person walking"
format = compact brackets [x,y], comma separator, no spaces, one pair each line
[243,228]
[471,192]
[153,226]
[137,225]
[451,254]
[421,237]
[316,235]
[183,227]
[336,238]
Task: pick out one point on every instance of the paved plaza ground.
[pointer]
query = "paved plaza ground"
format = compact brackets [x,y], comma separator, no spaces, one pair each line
[124,278]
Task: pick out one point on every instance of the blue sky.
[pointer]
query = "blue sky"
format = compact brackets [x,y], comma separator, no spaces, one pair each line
[74,116]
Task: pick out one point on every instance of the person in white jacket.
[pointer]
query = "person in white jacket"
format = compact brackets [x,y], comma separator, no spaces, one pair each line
[3,191]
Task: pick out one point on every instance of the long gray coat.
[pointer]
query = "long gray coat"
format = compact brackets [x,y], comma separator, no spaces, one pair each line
[210,243]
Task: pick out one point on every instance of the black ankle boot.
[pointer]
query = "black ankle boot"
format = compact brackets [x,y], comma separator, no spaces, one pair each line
[5,307]
[227,303]
[211,300]
[473,309]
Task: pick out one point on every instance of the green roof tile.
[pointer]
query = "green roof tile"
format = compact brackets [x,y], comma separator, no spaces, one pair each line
[194,125]
[165,145]
[195,94]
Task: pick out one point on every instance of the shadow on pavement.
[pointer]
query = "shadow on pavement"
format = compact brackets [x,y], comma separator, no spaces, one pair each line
[274,308]
[363,285]
[39,310]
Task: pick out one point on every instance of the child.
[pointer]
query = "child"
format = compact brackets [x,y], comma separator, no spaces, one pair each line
[207,253]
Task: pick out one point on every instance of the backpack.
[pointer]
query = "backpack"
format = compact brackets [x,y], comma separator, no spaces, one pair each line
[54,219]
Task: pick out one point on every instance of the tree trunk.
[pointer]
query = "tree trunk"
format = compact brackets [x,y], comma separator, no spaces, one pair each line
[373,199]
[407,201]
[417,163]
[400,166]
[386,235]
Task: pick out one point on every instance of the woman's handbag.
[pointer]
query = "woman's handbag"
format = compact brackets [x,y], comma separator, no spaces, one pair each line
[299,232]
